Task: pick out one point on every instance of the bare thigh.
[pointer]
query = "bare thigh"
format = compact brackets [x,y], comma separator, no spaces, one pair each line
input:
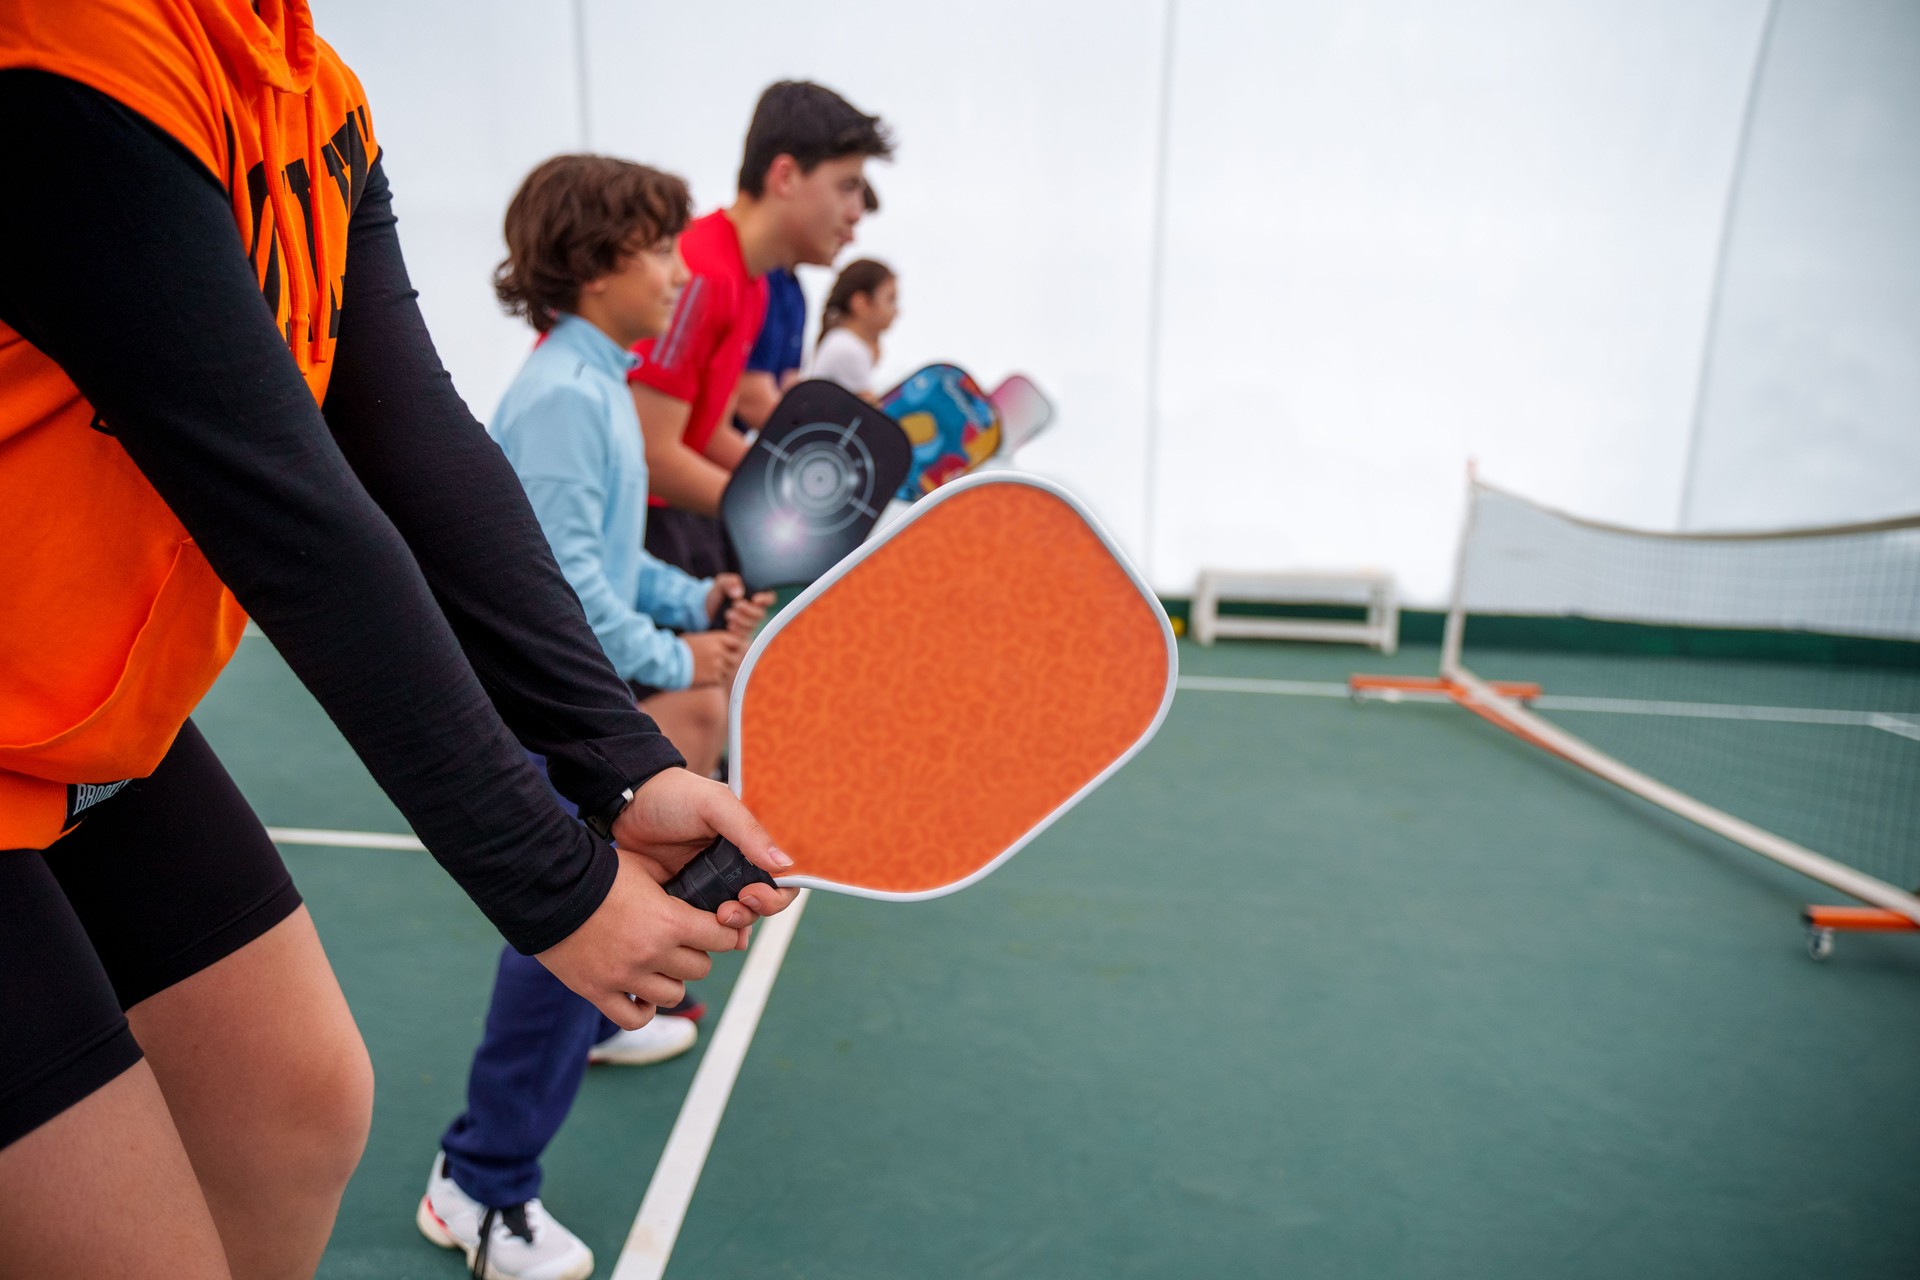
[106,1189]
[271,1091]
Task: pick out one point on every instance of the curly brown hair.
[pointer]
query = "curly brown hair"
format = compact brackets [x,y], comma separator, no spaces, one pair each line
[572,220]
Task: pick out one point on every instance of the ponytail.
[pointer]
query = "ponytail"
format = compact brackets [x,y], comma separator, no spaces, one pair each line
[864,276]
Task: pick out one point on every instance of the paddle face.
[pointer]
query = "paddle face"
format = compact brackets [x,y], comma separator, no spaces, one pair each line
[949,422]
[921,713]
[811,487]
[1024,413]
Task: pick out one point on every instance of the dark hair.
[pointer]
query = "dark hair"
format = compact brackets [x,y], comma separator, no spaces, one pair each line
[811,123]
[870,198]
[573,220]
[863,276]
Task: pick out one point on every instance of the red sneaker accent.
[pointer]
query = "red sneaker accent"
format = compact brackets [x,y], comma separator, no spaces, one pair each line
[691,1010]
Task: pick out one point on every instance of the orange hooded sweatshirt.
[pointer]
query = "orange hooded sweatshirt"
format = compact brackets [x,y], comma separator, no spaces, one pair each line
[112,625]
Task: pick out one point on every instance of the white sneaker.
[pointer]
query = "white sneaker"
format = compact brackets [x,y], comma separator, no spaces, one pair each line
[521,1242]
[665,1037]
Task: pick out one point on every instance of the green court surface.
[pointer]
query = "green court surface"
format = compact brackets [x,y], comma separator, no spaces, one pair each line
[1309,989]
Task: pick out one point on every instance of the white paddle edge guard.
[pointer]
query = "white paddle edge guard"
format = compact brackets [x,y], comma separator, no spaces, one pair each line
[1815,866]
[947,493]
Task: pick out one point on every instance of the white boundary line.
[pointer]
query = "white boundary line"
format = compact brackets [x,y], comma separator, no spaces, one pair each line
[657,1226]
[1900,725]
[1285,688]
[1719,711]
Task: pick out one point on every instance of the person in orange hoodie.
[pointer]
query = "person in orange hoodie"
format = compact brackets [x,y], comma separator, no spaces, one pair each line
[218,399]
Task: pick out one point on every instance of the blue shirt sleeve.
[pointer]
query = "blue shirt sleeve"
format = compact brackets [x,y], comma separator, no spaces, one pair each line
[782,331]
[558,447]
[673,596]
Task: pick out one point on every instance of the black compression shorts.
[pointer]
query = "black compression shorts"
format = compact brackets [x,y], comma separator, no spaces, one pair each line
[156,884]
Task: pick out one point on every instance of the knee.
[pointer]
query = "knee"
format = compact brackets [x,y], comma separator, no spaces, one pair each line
[711,714]
[326,1108]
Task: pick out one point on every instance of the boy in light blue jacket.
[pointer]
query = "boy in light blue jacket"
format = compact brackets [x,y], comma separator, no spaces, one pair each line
[593,264]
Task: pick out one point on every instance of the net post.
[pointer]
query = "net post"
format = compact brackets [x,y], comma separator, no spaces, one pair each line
[1456,628]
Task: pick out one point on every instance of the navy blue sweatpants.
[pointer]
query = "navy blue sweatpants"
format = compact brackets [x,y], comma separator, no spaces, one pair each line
[525,1074]
[524,1078]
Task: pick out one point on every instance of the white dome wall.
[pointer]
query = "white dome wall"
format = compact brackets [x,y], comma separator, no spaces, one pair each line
[1393,237]
[1812,409]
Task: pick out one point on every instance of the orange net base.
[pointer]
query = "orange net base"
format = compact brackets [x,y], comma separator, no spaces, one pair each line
[1859,920]
[1518,690]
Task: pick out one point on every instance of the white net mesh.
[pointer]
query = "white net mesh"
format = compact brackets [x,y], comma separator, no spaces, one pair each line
[1775,677]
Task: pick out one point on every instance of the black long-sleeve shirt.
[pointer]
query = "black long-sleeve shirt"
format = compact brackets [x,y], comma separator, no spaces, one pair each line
[380,541]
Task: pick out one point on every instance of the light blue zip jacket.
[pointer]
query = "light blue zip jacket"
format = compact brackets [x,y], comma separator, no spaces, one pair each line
[569,428]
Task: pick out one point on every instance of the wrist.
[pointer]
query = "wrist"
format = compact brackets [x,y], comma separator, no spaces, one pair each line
[601,822]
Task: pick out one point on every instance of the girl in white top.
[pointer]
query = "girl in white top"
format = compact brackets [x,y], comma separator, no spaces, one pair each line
[863,305]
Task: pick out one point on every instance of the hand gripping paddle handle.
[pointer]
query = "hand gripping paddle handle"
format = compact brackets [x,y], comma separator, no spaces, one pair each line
[715,876]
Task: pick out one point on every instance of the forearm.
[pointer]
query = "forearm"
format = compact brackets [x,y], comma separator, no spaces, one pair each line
[726,447]
[759,392]
[462,511]
[682,478]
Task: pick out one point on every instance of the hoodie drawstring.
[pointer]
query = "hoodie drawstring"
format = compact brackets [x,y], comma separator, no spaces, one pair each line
[321,180]
[297,250]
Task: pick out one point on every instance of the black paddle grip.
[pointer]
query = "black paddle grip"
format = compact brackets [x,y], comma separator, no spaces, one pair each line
[715,876]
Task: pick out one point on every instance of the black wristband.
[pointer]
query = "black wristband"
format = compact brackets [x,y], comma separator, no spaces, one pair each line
[601,823]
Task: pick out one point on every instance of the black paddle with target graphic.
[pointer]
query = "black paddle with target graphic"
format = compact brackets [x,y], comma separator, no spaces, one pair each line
[812,486]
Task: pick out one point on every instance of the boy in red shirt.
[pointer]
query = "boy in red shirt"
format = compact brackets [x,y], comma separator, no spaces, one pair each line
[803,189]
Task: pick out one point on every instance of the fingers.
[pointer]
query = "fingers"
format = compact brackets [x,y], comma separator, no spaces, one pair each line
[658,990]
[622,1010]
[740,919]
[722,810]
[688,965]
[746,615]
[747,612]
[756,901]
[765,900]
[700,931]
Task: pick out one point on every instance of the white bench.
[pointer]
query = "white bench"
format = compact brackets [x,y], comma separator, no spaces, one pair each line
[1366,588]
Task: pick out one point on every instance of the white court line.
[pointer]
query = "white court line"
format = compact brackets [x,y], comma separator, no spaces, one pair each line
[1895,724]
[344,839]
[657,1226]
[1712,711]
[1288,688]
[1898,724]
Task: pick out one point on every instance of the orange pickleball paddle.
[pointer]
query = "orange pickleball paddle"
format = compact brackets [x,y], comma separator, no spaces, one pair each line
[942,696]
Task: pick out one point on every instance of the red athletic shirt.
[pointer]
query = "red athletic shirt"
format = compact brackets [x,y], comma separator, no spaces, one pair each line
[702,354]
